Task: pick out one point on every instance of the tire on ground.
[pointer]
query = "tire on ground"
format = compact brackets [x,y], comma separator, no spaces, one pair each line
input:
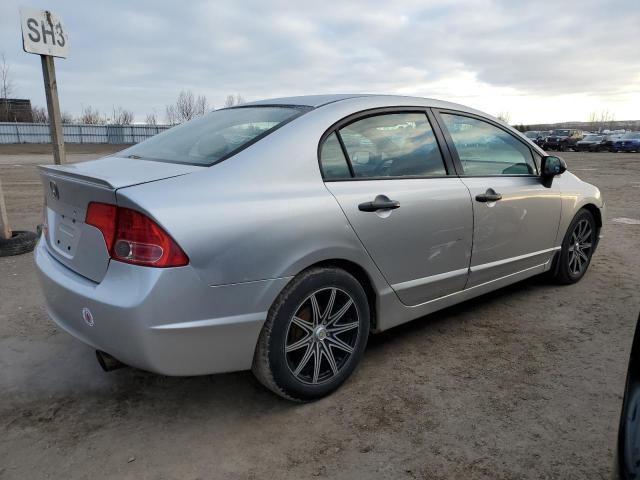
[19,243]
[562,273]
[270,363]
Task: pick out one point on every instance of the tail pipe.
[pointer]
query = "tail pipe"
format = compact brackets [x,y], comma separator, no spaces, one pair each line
[107,362]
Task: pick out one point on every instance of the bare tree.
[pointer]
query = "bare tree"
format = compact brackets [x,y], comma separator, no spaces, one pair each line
[606,119]
[122,116]
[39,114]
[6,88]
[91,116]
[67,117]
[151,119]
[171,115]
[505,117]
[187,106]
[232,100]
[6,80]
[202,105]
[601,120]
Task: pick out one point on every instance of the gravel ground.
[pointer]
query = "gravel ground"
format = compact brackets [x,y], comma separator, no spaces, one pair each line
[525,382]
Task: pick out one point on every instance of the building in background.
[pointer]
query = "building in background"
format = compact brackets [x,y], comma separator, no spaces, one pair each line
[15,110]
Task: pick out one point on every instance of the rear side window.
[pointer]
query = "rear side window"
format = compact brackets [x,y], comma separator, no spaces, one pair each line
[213,137]
[485,149]
[393,145]
[332,159]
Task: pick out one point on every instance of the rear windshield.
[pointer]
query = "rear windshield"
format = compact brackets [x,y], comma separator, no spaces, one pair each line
[593,138]
[561,133]
[213,137]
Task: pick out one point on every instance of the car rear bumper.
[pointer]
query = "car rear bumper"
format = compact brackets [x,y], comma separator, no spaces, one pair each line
[162,320]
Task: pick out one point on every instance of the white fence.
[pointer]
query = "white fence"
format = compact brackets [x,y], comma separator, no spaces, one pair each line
[77,133]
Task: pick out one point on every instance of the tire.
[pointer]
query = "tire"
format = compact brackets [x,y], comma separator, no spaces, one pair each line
[296,374]
[628,458]
[572,266]
[19,243]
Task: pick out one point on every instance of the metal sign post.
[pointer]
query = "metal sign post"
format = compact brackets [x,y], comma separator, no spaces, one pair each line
[43,33]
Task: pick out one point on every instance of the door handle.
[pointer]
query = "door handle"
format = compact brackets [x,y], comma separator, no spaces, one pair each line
[381,202]
[489,196]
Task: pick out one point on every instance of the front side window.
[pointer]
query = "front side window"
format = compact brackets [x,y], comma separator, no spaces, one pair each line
[214,136]
[393,145]
[485,149]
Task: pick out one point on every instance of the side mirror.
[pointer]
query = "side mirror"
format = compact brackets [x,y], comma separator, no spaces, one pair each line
[552,166]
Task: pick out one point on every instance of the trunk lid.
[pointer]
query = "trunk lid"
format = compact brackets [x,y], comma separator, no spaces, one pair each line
[68,191]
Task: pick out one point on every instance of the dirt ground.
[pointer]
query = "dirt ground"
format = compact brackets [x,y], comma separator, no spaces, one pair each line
[523,383]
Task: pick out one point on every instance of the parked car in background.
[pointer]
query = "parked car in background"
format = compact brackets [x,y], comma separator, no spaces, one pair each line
[276,235]
[610,140]
[591,143]
[536,136]
[562,139]
[628,142]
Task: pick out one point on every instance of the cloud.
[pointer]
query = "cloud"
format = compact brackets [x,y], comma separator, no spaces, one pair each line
[494,54]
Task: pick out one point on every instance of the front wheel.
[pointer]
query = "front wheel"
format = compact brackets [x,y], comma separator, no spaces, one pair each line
[314,336]
[577,248]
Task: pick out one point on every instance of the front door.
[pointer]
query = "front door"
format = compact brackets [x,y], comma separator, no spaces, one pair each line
[516,217]
[388,174]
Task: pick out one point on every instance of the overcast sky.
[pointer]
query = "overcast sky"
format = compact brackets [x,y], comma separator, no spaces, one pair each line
[539,61]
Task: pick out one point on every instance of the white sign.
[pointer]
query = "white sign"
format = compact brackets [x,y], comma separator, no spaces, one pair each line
[43,33]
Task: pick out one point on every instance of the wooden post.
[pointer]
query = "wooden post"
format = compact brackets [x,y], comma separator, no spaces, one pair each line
[55,120]
[5,231]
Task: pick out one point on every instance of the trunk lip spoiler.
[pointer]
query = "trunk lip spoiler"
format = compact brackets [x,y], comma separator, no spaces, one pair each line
[60,172]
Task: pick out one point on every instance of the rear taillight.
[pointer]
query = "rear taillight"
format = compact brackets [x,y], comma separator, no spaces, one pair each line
[132,237]
[103,216]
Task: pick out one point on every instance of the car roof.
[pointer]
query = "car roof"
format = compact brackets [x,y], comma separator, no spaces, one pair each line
[306,100]
[316,101]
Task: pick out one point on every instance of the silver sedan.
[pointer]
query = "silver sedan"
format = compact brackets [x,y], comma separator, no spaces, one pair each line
[279,234]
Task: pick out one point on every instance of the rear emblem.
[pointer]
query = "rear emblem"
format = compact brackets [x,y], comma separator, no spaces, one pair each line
[54,190]
[87,316]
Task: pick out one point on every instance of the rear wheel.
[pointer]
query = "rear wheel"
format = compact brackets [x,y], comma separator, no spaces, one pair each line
[577,248]
[314,336]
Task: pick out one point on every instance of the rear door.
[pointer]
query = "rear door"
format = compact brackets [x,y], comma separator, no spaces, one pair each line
[392,181]
[516,217]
